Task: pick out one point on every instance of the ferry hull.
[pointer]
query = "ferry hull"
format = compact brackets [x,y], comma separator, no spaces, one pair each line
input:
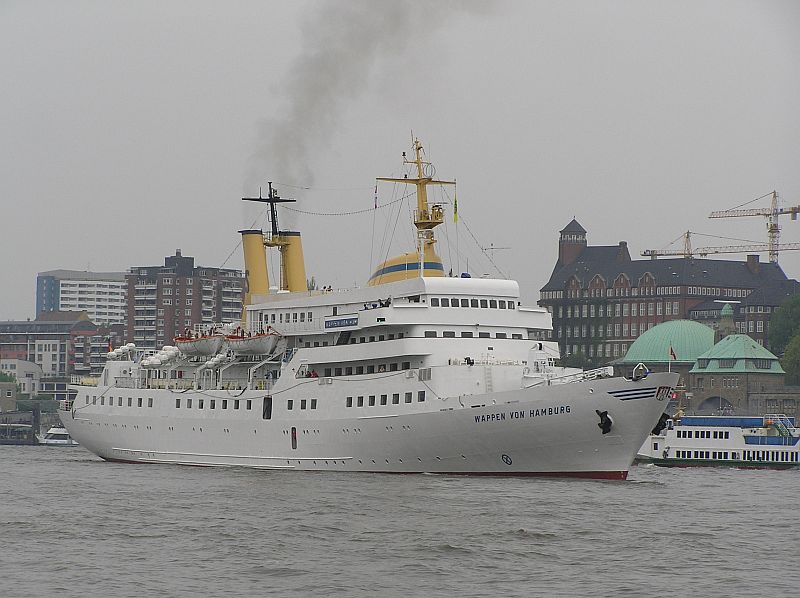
[540,431]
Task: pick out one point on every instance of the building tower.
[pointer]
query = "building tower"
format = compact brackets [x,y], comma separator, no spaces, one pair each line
[571,243]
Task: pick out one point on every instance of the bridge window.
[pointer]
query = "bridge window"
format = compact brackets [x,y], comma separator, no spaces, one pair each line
[465,303]
[453,302]
[501,304]
[473,303]
[430,334]
[466,335]
[493,303]
[445,302]
[484,303]
[448,334]
[434,302]
[200,403]
[501,335]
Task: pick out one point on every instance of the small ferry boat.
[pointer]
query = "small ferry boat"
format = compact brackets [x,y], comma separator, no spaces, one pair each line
[57,436]
[768,442]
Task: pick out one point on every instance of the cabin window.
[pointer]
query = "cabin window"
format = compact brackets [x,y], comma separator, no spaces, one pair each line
[119,402]
[266,409]
[445,302]
[483,335]
[130,401]
[188,403]
[213,403]
[290,404]
[360,402]
[348,371]
[434,302]
[391,337]
[510,305]
[392,367]
[396,398]
[349,401]
[400,334]
[409,396]
[362,339]
[337,371]
[517,337]
[421,396]
[406,365]
[449,334]
[236,404]
[454,302]
[493,303]
[294,438]
[313,403]
[465,303]
[384,399]
[359,370]
[381,337]
[501,335]
[430,334]
[466,335]
[370,369]
[371,400]
[294,317]
[224,403]
[302,403]
[309,316]
[501,304]
[302,316]
[139,401]
[327,372]
[372,339]
[177,403]
[200,403]
[102,400]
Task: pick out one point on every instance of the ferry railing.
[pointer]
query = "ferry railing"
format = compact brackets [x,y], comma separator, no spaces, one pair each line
[604,372]
[781,423]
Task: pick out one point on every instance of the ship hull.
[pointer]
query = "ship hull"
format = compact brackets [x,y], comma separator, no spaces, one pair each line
[542,431]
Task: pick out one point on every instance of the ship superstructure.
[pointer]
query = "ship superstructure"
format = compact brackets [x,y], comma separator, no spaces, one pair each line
[416,372]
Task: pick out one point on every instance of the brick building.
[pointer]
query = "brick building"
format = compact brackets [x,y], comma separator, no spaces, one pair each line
[165,300]
[602,300]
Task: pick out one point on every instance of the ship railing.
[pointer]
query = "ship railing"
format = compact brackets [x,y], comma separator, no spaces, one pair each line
[79,380]
[65,405]
[604,372]
[781,423]
[125,382]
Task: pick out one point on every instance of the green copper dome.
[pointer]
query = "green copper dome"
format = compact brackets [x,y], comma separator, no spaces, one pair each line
[688,339]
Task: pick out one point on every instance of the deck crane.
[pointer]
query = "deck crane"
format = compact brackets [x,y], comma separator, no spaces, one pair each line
[773,227]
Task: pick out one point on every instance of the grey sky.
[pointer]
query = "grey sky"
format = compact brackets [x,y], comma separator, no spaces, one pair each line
[132,129]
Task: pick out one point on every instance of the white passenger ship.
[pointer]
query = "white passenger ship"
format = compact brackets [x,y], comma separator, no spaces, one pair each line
[768,442]
[417,372]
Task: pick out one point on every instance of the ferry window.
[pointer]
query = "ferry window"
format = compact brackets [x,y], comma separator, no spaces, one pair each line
[434,302]
[302,403]
[421,396]
[280,318]
[335,311]
[139,401]
[396,398]
[348,371]
[294,437]
[449,334]
[430,334]
[353,341]
[294,317]
[445,302]
[327,372]
[337,371]
[381,337]
[272,318]
[119,402]
[391,337]
[313,403]
[309,316]
[392,367]
[308,344]
[87,399]
[483,335]
[290,404]
[466,335]
[465,303]
[362,339]
[371,400]
[360,402]
[130,401]
[453,302]
[510,305]
[372,339]
[727,435]
[266,409]
[236,404]
[224,403]
[177,403]
[516,336]
[406,365]
[102,400]
[501,335]
[484,303]
[501,304]
[94,400]
[213,403]
[189,403]
[302,316]
[473,303]
[324,343]
[400,334]
[408,397]
[149,401]
[370,369]
[200,403]
[493,303]
[359,370]
[349,402]
[384,399]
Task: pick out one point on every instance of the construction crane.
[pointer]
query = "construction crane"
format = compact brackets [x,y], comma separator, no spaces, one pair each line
[773,227]
[688,251]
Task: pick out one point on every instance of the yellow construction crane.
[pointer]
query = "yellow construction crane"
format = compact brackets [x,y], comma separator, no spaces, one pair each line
[773,227]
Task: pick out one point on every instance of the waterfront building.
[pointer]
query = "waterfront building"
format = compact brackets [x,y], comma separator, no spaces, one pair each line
[100,294]
[27,373]
[602,300]
[164,301]
[8,396]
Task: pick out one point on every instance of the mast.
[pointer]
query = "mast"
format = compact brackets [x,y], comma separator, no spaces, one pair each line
[426,217]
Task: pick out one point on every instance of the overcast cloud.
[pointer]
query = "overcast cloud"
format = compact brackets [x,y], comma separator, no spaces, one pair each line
[132,129]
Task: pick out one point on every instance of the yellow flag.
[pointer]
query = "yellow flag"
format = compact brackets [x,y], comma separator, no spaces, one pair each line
[455,207]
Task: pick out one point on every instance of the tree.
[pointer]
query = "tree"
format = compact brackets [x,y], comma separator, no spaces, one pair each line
[7,377]
[791,361]
[783,325]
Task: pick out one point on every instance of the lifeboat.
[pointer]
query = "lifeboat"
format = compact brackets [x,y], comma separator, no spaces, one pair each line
[200,345]
[258,344]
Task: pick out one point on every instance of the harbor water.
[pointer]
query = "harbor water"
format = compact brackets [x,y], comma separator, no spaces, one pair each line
[73,525]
